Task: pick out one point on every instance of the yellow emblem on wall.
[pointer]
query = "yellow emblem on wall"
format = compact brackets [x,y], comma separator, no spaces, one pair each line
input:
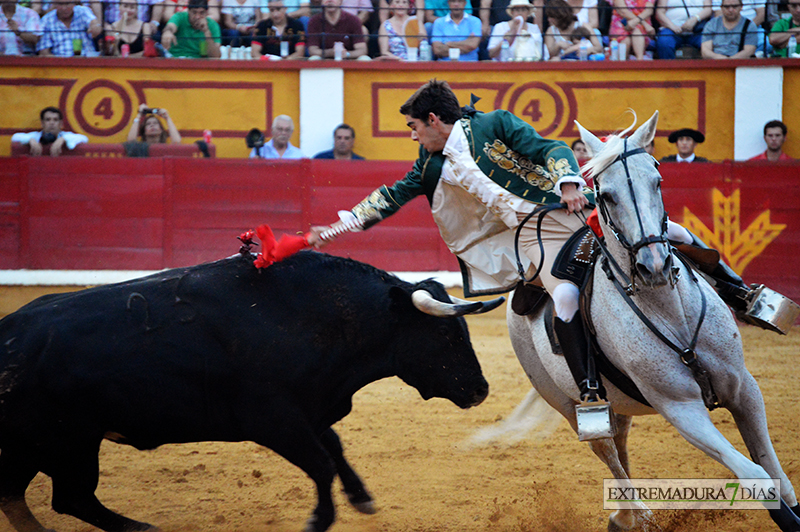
[737,247]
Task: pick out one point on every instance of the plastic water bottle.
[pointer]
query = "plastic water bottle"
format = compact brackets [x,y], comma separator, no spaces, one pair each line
[583,55]
[791,48]
[505,51]
[425,51]
[614,50]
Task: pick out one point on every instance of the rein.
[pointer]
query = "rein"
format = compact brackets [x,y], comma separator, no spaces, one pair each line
[688,354]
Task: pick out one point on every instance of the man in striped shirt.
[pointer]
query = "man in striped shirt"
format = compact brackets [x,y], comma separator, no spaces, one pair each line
[65,26]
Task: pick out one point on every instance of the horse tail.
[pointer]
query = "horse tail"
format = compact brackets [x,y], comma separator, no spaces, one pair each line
[532,418]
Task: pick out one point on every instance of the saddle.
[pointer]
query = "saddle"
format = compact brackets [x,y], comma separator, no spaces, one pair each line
[575,263]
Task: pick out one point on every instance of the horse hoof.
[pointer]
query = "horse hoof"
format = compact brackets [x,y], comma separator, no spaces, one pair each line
[367,507]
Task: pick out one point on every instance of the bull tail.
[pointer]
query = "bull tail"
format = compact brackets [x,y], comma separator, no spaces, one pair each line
[532,418]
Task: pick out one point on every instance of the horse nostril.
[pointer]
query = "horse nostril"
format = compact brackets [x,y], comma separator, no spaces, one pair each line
[644,271]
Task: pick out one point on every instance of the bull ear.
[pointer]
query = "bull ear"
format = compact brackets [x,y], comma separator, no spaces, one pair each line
[646,132]
[594,144]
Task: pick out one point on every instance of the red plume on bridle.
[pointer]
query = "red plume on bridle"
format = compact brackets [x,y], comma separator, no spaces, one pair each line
[272,250]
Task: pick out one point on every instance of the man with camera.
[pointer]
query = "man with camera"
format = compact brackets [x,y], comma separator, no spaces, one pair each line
[51,134]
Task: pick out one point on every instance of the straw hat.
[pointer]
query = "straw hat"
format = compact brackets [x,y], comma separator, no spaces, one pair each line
[517,3]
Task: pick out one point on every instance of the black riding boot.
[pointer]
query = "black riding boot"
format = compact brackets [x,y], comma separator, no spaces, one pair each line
[575,345]
[729,285]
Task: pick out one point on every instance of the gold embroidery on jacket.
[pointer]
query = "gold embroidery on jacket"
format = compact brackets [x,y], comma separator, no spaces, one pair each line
[533,174]
[370,207]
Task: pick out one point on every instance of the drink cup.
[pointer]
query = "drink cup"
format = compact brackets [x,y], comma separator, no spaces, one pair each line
[125,50]
[284,48]
[454,54]
[338,51]
[413,54]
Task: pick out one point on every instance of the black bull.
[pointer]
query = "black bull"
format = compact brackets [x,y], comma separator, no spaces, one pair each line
[216,352]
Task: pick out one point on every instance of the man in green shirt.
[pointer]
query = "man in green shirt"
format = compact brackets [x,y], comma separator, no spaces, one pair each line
[192,33]
[783,30]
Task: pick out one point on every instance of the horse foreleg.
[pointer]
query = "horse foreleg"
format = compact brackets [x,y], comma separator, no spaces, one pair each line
[751,419]
[614,454]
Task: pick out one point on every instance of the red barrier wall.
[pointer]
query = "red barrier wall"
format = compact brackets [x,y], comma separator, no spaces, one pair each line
[148,214]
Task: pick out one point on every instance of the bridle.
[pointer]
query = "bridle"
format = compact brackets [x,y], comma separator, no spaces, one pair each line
[634,248]
[688,354]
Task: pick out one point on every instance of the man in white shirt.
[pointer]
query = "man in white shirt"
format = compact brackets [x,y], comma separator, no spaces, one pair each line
[279,146]
[685,140]
[51,133]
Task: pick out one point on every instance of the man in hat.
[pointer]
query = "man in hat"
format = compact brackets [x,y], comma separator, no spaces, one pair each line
[518,32]
[685,139]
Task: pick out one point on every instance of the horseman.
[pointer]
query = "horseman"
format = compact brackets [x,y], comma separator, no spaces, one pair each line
[483,174]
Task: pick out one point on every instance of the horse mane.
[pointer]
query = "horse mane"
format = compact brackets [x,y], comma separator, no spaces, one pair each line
[612,147]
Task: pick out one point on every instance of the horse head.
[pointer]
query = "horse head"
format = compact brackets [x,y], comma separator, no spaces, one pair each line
[628,193]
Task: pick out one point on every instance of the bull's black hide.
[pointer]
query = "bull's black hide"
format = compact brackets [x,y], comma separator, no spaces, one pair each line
[220,351]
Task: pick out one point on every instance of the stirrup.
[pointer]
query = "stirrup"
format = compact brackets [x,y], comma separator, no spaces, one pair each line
[595,420]
[769,310]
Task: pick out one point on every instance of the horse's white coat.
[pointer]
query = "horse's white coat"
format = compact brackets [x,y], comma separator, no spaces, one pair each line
[657,371]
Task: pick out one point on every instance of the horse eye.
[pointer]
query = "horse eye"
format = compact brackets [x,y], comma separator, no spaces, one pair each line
[608,198]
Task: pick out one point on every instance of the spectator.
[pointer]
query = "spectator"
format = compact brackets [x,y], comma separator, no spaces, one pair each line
[755,10]
[518,32]
[51,133]
[20,28]
[164,11]
[334,25]
[457,30]
[148,128]
[239,19]
[435,9]
[685,139]
[129,30]
[344,137]
[682,23]
[729,36]
[785,28]
[391,34]
[564,32]
[586,12]
[361,8]
[192,33]
[493,12]
[68,22]
[279,146]
[110,12]
[296,10]
[276,29]
[580,151]
[774,135]
[631,25]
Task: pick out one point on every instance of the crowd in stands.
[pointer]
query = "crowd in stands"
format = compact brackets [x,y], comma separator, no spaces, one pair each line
[444,30]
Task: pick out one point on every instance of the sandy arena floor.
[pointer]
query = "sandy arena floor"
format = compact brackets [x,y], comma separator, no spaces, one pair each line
[412,457]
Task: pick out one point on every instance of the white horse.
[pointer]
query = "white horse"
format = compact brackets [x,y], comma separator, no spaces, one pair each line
[636,211]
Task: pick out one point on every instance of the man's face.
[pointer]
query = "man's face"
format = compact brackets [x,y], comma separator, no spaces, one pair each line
[774,138]
[277,11]
[332,4]
[196,16]
[281,132]
[794,10]
[685,146]
[51,123]
[731,10]
[424,132]
[64,10]
[456,8]
[343,141]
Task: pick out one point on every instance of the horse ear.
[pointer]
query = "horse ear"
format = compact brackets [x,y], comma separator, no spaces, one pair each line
[646,132]
[594,144]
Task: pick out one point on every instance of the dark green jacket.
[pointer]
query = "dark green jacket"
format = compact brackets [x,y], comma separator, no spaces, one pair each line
[508,150]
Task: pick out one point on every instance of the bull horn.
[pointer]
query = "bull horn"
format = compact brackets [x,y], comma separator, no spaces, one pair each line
[425,302]
[487,305]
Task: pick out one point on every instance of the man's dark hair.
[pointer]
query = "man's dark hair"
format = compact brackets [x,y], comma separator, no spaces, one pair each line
[434,97]
[775,123]
[51,109]
[345,126]
[193,4]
